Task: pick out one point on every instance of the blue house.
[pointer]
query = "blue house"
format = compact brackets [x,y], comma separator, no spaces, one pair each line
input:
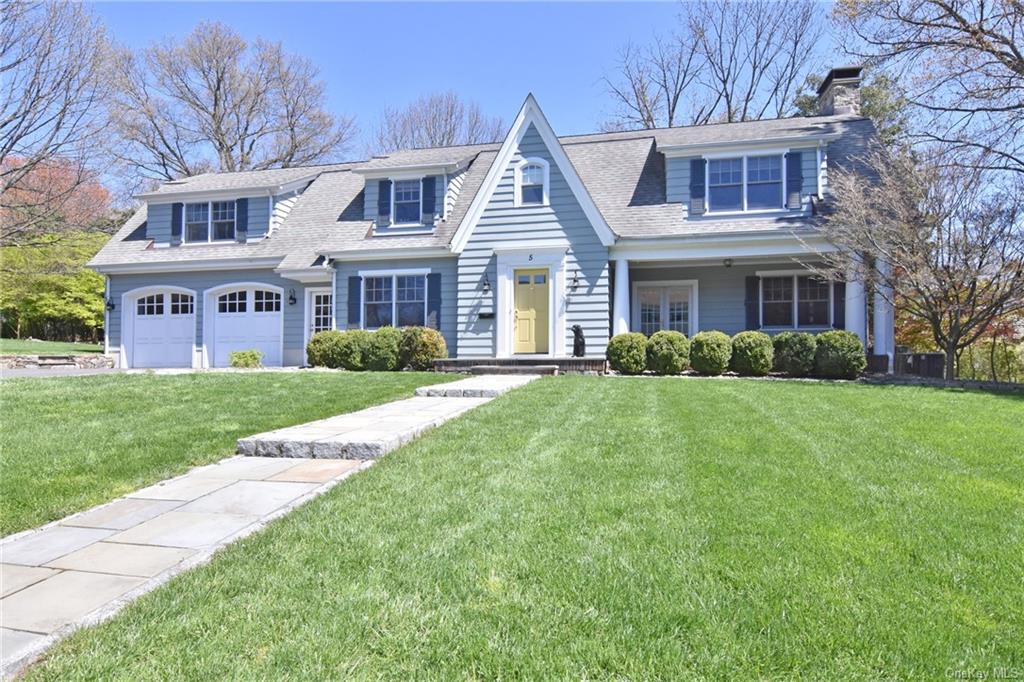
[503,247]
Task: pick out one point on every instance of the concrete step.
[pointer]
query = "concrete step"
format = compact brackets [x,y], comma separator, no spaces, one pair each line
[483,386]
[366,434]
[514,369]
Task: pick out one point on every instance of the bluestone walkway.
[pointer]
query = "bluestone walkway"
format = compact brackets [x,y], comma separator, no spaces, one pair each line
[82,569]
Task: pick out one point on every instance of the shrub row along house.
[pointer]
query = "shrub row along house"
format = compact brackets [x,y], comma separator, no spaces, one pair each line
[503,247]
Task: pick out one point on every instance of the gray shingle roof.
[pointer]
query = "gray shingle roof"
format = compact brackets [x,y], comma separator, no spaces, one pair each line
[623,171]
[211,182]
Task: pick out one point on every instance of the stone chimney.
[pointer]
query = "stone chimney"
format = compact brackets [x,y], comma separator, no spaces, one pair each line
[839,93]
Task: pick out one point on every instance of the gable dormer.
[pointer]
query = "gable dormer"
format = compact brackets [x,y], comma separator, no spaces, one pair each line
[221,209]
[409,199]
[754,178]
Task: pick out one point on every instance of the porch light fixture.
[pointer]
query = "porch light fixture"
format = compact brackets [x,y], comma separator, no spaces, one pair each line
[575,283]
[727,262]
[110,304]
[487,284]
[291,297]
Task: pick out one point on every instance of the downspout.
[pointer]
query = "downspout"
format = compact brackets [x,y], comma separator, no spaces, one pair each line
[106,315]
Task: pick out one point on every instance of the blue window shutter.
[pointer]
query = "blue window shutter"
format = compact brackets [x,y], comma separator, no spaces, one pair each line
[434,300]
[697,203]
[355,292]
[794,179]
[839,305]
[752,302]
[241,220]
[428,187]
[384,203]
[176,221]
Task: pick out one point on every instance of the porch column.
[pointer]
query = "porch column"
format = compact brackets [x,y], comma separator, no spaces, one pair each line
[884,322]
[620,308]
[856,306]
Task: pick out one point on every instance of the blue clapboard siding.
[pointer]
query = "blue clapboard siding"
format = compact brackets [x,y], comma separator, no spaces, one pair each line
[200,282]
[444,266]
[158,220]
[370,197]
[677,175]
[721,294]
[563,220]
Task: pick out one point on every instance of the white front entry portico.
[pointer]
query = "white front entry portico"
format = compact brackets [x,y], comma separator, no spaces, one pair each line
[549,258]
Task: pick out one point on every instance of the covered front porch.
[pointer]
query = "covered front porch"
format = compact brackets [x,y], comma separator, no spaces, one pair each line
[762,283]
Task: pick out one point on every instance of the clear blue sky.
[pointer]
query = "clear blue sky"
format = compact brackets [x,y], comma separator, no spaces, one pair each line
[373,55]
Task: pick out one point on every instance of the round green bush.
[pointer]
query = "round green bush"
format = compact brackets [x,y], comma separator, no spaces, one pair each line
[710,352]
[419,347]
[752,354]
[324,349]
[352,347]
[794,353]
[627,353]
[668,352]
[839,355]
[382,350]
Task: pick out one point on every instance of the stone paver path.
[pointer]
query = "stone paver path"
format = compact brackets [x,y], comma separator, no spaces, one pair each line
[82,569]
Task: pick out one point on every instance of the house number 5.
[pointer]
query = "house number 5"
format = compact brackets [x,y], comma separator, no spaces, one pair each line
[530,258]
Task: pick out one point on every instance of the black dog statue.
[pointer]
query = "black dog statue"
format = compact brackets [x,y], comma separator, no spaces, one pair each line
[579,344]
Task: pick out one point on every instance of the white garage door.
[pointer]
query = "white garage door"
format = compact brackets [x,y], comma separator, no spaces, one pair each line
[163,330]
[247,319]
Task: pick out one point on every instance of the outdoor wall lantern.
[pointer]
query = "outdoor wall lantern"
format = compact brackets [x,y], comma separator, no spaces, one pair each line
[110,304]
[291,297]
[487,284]
[575,283]
[727,262]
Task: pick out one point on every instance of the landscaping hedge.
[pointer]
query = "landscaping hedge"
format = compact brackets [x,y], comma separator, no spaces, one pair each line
[324,349]
[627,353]
[381,353]
[668,352]
[418,347]
[752,353]
[794,353]
[246,359]
[710,352]
[839,355]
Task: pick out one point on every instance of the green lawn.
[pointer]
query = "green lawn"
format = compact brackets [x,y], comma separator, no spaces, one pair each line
[588,527]
[68,444]
[33,347]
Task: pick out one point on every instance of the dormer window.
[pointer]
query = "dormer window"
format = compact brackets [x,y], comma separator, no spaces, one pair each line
[212,221]
[531,183]
[746,183]
[407,201]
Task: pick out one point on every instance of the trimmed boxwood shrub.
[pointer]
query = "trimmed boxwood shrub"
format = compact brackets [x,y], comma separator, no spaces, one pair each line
[382,350]
[352,347]
[247,359]
[839,355]
[419,347]
[794,353]
[627,353]
[710,352]
[668,352]
[324,349]
[752,353]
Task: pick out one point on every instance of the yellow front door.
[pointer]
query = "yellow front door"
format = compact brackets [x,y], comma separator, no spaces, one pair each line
[531,302]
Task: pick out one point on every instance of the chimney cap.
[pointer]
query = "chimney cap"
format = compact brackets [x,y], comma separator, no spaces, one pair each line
[851,72]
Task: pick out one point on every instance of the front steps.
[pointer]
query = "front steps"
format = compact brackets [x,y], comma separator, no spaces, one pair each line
[523,365]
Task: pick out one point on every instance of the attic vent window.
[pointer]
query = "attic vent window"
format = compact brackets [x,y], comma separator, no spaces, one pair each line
[531,183]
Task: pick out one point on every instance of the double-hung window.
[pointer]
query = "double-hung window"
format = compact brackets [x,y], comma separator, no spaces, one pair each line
[796,301]
[531,183]
[747,183]
[407,195]
[394,300]
[212,221]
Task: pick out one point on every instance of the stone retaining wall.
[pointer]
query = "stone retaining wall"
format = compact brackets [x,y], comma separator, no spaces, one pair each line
[973,384]
[89,361]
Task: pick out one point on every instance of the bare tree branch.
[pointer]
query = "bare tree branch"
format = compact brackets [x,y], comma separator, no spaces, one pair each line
[213,102]
[438,120]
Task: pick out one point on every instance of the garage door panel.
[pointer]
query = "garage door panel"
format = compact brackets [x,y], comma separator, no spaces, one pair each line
[249,322]
[160,337]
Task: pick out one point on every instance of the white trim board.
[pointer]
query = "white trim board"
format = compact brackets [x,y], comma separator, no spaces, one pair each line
[504,322]
[530,113]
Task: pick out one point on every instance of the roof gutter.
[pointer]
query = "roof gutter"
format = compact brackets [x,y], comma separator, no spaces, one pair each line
[388,254]
[695,148]
[186,265]
[227,192]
